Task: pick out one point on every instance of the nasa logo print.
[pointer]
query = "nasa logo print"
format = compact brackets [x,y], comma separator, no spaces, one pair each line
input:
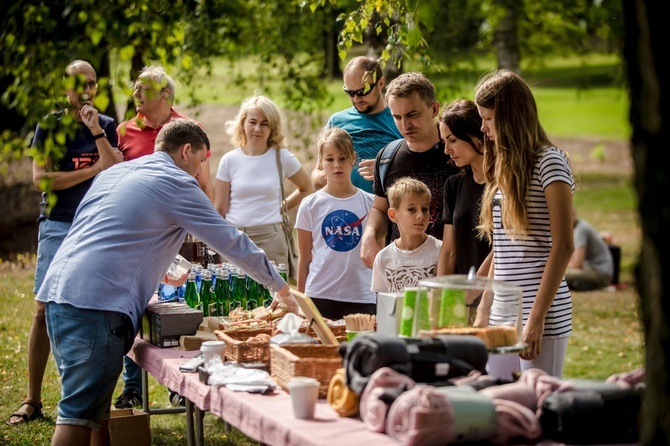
[342,230]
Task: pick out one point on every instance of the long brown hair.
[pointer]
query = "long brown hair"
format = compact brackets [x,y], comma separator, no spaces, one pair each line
[509,161]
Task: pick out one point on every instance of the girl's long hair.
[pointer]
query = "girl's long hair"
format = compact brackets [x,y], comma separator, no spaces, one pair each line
[509,161]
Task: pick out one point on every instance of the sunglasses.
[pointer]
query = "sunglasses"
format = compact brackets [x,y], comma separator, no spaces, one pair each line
[362,92]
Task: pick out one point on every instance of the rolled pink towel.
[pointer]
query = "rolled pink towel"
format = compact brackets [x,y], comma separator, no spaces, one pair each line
[422,416]
[628,379]
[517,392]
[373,409]
[544,384]
[473,377]
[515,423]
[529,377]
[398,418]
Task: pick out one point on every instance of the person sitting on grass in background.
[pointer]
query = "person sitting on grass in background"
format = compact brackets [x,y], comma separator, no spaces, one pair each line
[330,224]
[412,256]
[591,265]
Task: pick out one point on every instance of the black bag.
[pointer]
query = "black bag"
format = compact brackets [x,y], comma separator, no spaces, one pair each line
[603,416]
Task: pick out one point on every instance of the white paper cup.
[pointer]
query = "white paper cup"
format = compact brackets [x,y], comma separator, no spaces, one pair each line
[304,394]
[212,349]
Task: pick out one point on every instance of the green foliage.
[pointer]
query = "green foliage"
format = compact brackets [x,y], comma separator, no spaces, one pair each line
[290,39]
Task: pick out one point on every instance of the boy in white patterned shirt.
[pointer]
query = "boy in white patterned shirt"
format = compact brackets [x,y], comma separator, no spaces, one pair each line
[412,256]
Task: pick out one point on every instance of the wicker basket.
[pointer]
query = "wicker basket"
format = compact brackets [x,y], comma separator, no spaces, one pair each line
[240,350]
[314,360]
[338,330]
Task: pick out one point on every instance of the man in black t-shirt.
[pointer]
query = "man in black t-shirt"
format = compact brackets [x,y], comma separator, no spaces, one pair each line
[411,98]
[91,149]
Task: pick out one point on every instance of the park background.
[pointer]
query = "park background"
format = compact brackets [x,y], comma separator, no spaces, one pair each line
[583,104]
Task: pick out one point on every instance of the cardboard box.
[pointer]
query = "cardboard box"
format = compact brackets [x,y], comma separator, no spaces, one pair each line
[129,427]
[389,311]
[164,323]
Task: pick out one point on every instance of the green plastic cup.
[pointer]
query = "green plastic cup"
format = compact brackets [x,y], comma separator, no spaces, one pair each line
[453,311]
[408,312]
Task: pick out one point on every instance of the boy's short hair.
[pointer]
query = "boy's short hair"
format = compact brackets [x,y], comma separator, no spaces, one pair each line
[340,138]
[405,186]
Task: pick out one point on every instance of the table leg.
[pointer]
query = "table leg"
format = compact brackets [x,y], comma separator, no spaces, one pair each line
[199,427]
[145,400]
[145,391]
[190,436]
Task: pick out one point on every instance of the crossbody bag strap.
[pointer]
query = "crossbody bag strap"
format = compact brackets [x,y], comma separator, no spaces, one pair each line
[281,182]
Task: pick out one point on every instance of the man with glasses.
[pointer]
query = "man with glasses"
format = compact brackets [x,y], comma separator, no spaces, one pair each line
[153,94]
[368,121]
[88,151]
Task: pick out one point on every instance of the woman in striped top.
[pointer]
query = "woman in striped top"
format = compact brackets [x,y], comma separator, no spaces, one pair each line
[527,215]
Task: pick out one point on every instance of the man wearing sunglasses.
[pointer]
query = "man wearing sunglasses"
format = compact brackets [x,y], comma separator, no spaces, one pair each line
[368,121]
[90,149]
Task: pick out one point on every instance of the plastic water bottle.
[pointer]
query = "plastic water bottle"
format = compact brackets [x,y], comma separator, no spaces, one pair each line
[198,275]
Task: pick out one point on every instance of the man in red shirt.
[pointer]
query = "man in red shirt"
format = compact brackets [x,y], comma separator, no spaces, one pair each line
[154,95]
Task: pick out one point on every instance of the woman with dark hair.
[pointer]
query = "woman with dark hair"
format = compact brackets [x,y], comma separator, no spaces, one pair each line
[460,129]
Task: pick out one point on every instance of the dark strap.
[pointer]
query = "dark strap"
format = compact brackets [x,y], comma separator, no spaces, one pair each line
[388,153]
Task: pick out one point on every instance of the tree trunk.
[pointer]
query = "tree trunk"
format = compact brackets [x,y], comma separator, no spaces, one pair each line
[650,119]
[332,58]
[506,36]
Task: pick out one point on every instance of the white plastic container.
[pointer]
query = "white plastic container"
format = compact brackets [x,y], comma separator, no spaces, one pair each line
[304,394]
[212,349]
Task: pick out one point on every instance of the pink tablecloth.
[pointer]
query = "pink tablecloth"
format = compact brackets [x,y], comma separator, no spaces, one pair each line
[265,418]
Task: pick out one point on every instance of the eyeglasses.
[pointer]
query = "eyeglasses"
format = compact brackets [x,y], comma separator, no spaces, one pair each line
[92,85]
[360,93]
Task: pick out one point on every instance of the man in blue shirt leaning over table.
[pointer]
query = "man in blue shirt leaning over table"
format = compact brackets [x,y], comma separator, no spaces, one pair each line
[128,228]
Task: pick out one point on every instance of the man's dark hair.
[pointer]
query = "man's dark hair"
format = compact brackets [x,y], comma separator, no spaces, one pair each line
[178,132]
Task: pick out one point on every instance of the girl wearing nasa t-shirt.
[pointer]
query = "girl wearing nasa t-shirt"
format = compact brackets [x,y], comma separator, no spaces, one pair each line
[330,224]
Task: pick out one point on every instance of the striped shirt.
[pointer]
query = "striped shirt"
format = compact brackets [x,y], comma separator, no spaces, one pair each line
[522,261]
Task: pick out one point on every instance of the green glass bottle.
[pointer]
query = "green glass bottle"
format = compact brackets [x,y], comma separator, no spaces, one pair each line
[191,296]
[207,295]
[267,297]
[221,291]
[283,271]
[236,289]
[243,295]
[251,287]
[260,295]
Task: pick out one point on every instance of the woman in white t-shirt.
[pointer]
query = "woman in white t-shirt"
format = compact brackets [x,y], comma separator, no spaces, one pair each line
[247,190]
[330,224]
